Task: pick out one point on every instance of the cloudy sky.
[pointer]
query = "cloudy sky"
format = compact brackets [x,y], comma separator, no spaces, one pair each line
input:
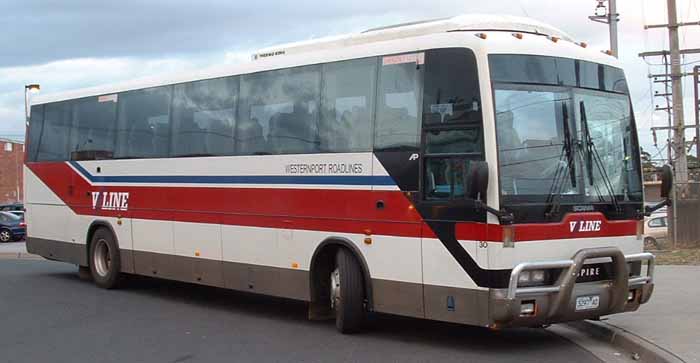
[71,44]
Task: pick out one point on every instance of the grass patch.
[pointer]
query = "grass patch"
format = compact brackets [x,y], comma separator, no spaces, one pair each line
[678,257]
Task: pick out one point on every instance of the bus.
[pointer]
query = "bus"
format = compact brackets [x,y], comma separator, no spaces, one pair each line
[482,170]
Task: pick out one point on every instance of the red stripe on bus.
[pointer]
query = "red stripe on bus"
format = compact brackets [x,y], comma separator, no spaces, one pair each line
[340,211]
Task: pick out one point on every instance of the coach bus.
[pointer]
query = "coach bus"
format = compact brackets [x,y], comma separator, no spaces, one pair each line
[477,170]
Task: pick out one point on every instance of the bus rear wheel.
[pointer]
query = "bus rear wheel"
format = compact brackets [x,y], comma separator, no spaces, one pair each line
[347,293]
[105,263]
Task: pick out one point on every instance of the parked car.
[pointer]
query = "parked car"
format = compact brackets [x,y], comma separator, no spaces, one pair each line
[12,227]
[18,213]
[655,230]
[12,207]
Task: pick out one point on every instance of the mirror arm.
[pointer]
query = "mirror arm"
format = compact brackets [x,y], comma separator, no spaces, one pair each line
[648,210]
[503,216]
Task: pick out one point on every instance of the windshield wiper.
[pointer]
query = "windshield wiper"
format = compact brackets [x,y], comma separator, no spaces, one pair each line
[592,155]
[554,197]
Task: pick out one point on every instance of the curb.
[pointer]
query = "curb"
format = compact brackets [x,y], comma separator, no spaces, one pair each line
[641,349]
[19,256]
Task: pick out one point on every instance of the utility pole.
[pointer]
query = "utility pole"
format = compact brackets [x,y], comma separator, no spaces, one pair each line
[610,17]
[613,18]
[681,165]
[679,158]
[696,104]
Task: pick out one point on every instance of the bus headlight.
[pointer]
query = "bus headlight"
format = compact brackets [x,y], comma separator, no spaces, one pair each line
[532,278]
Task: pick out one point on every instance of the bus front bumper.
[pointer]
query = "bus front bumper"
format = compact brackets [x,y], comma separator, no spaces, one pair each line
[566,300]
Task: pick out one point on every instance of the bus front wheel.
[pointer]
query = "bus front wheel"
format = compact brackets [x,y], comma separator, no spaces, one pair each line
[105,263]
[347,293]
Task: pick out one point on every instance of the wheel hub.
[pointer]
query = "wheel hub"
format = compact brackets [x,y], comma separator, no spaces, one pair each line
[102,258]
[335,287]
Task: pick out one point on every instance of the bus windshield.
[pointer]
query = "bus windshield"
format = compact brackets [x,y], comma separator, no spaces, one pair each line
[565,142]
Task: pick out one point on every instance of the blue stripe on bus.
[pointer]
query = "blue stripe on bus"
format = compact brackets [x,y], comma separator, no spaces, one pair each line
[240,179]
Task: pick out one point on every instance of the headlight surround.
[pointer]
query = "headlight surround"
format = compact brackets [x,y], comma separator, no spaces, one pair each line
[533,278]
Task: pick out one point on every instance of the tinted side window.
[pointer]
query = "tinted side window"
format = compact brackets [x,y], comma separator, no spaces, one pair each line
[204,117]
[92,136]
[615,80]
[399,102]
[36,127]
[451,92]
[54,139]
[590,75]
[278,112]
[348,97]
[523,69]
[144,125]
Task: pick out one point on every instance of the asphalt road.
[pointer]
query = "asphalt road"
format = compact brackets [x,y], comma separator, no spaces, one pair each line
[13,247]
[48,314]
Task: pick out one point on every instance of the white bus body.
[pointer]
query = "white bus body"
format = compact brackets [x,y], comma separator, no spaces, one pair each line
[269,214]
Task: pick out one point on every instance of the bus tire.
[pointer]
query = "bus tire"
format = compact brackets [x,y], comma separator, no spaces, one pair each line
[84,273]
[105,263]
[347,293]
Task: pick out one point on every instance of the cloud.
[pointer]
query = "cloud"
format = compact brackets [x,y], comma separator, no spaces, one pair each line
[70,74]
[72,44]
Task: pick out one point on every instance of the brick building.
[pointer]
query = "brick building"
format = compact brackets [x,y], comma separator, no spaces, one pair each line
[11,159]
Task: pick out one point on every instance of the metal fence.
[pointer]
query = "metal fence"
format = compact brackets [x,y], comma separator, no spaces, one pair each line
[685,215]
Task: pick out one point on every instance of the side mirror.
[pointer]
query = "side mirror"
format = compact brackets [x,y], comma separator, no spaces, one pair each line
[477,180]
[666,181]
[666,185]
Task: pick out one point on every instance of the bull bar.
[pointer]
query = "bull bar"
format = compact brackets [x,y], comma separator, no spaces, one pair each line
[560,292]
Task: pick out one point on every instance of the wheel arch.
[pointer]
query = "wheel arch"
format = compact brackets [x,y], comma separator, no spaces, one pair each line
[319,256]
[99,223]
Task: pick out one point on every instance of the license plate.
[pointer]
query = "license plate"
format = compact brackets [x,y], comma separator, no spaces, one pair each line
[587,302]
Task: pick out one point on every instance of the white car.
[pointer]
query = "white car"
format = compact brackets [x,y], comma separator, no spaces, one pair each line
[655,230]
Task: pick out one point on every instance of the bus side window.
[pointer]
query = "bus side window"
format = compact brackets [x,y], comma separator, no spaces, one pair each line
[204,117]
[92,135]
[55,136]
[36,134]
[346,113]
[278,112]
[144,123]
[399,102]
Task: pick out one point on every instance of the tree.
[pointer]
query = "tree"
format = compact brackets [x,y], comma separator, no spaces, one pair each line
[648,167]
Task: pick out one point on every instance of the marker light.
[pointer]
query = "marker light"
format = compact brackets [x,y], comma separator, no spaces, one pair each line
[527,308]
[583,44]
[508,236]
[481,35]
[554,39]
[518,35]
